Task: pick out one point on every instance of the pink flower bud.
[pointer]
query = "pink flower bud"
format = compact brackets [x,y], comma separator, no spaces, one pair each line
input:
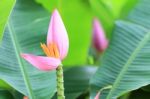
[99,39]
[56,48]
[97,96]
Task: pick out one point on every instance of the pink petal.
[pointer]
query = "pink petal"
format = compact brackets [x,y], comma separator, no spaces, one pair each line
[99,39]
[42,63]
[57,34]
[25,97]
[97,96]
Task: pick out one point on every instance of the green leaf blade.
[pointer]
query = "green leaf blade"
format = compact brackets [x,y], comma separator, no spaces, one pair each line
[125,64]
[121,67]
[6,7]
[127,68]
[27,27]
[22,67]
[77,80]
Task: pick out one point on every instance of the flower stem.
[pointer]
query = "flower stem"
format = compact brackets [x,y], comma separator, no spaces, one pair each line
[60,83]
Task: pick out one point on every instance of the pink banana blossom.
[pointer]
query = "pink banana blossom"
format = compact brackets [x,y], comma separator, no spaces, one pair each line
[56,47]
[99,39]
[25,97]
[97,96]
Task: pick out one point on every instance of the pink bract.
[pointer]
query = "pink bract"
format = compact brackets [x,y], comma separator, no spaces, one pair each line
[99,39]
[97,96]
[57,35]
[42,63]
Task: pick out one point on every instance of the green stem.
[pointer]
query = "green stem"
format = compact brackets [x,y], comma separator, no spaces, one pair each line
[60,83]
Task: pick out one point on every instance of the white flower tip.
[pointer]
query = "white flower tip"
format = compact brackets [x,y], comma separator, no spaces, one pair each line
[55,13]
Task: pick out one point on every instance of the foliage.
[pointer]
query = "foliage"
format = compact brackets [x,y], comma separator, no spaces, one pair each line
[125,65]
[5,8]
[123,68]
[110,10]
[16,72]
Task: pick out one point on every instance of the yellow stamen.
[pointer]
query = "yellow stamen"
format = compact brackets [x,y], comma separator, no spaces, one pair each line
[56,52]
[50,47]
[51,50]
[45,49]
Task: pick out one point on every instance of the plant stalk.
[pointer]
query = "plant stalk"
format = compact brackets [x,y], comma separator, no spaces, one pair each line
[60,83]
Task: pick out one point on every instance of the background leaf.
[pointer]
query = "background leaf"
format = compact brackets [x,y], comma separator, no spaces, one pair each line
[5,95]
[104,14]
[6,7]
[26,28]
[77,81]
[125,64]
[79,27]
[110,10]
[116,7]
[139,94]
[50,5]
[4,85]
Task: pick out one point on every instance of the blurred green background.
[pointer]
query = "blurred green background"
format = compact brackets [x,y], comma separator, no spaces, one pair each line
[24,24]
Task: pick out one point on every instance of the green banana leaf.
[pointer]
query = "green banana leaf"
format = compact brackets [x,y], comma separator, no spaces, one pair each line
[4,94]
[6,7]
[110,10]
[139,94]
[104,14]
[116,7]
[77,81]
[26,28]
[4,85]
[126,63]
[50,5]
